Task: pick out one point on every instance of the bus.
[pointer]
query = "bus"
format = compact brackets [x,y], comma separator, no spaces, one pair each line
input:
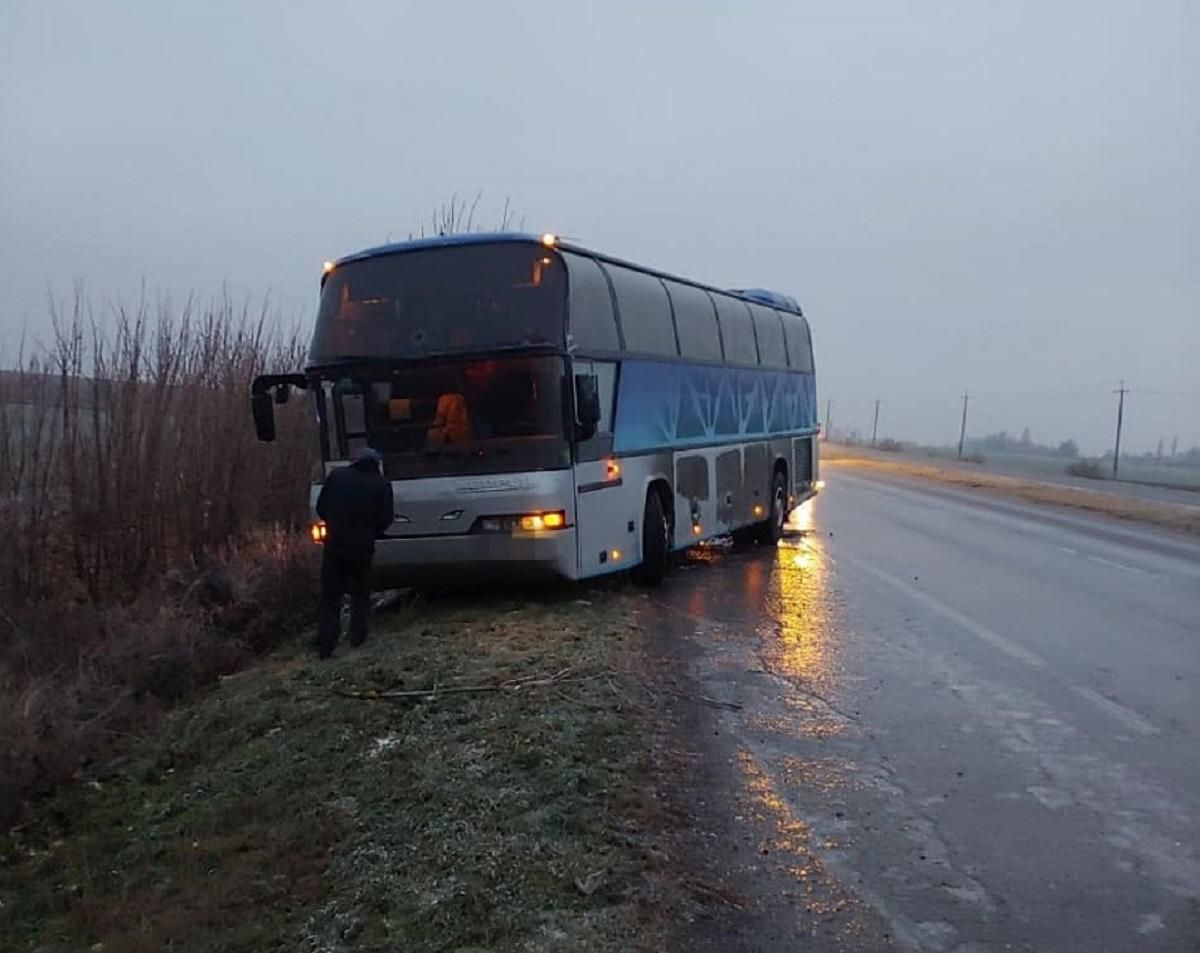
[545,409]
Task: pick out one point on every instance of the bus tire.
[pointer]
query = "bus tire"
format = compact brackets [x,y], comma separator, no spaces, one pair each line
[770,531]
[656,541]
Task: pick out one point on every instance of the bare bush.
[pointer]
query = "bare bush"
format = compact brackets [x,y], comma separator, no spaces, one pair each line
[456,216]
[152,543]
[126,447]
[1085,468]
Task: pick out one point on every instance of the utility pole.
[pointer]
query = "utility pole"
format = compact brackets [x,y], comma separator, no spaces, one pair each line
[828,412]
[962,433]
[875,425]
[1122,391]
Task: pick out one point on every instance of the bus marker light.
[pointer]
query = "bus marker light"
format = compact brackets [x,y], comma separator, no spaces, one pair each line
[327,267]
[615,555]
[549,239]
[695,529]
[612,470]
[758,510]
[317,531]
[820,484]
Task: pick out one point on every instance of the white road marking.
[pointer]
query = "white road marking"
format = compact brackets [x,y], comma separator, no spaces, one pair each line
[1068,549]
[1109,562]
[981,632]
[1130,719]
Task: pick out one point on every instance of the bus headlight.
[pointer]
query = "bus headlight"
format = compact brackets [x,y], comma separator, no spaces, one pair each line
[556,519]
[527,523]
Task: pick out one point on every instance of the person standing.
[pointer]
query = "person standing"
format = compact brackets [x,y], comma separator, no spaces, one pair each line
[356,504]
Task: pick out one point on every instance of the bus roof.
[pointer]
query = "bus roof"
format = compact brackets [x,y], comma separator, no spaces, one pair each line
[758,295]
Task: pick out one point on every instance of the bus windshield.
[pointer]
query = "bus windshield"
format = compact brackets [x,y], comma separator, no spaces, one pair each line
[494,415]
[456,299]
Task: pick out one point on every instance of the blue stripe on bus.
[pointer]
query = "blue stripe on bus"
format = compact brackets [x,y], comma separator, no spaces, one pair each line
[680,405]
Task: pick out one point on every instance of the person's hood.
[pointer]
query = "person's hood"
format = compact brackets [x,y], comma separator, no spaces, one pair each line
[366,459]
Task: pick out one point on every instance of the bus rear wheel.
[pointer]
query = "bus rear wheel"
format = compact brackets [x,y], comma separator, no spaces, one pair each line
[770,531]
[656,541]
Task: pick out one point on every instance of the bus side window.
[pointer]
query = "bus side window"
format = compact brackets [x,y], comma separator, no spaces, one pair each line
[606,378]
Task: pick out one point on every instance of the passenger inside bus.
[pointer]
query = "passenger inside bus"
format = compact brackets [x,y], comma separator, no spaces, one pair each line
[455,406]
[451,422]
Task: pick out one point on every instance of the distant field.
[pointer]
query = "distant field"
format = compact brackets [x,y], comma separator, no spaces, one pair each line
[1095,497]
[1132,470]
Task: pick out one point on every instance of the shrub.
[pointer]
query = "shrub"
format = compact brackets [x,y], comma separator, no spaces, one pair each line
[152,543]
[1086,468]
[127,448]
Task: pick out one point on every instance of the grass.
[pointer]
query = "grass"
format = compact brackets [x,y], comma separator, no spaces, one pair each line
[275,814]
[1182,518]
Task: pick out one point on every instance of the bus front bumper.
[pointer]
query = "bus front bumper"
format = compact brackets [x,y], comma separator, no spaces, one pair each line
[403,561]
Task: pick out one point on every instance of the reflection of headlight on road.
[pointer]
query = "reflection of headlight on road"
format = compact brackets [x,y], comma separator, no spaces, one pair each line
[800,520]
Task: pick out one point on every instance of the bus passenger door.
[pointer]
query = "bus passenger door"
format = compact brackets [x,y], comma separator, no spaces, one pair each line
[602,511]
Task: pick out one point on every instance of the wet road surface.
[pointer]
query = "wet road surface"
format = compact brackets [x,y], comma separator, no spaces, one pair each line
[965,725]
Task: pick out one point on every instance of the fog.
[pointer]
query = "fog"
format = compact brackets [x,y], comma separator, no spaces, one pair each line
[1002,198]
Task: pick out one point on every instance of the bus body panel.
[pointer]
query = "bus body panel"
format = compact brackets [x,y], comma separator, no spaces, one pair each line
[436,532]
[611,508]
[714,491]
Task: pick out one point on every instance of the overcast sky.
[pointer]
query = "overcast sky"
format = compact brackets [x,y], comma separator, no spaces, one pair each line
[997,196]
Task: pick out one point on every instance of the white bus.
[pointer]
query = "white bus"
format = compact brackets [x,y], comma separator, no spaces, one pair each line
[544,409]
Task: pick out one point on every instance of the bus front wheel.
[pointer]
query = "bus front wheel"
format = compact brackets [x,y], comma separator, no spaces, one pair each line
[656,541]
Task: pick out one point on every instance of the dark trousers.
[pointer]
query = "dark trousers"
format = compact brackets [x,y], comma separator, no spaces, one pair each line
[343,573]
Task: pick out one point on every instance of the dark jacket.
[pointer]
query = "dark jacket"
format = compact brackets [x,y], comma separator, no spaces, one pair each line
[356,505]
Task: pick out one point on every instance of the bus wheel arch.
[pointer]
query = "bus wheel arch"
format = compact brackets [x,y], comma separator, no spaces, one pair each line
[658,532]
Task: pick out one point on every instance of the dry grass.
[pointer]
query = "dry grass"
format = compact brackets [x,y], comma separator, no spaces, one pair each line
[275,814]
[81,684]
[1182,518]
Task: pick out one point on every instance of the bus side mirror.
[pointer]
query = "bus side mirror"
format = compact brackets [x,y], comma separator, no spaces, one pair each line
[264,416]
[260,399]
[587,405]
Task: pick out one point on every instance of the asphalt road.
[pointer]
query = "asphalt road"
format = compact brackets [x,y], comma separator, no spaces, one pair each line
[965,725]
